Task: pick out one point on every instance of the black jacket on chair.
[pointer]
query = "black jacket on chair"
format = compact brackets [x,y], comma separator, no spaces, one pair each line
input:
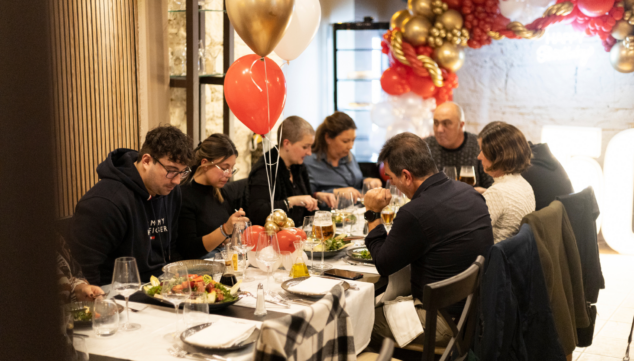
[583,210]
[516,319]
[259,200]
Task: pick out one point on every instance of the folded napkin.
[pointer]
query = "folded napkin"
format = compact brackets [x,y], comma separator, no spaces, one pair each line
[403,319]
[222,333]
[315,285]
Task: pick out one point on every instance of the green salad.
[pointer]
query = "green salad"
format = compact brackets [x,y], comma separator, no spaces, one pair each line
[365,254]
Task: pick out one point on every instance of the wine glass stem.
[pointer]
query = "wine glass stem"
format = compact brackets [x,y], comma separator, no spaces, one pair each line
[176,325]
[268,279]
[323,250]
[312,259]
[127,309]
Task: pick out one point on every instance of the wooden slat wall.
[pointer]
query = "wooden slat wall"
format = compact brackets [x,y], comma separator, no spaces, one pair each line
[95,74]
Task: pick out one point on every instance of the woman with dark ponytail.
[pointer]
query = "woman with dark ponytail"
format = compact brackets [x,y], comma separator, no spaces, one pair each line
[206,218]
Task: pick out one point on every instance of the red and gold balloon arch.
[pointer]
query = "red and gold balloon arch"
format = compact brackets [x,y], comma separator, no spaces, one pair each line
[426,41]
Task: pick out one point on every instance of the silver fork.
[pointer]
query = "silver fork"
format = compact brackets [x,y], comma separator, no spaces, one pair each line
[133,309]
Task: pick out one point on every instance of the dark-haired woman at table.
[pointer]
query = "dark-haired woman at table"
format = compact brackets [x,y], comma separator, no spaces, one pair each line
[332,167]
[505,153]
[206,218]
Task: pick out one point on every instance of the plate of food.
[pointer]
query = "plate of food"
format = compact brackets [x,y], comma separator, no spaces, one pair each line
[360,254]
[333,246]
[217,295]
[82,312]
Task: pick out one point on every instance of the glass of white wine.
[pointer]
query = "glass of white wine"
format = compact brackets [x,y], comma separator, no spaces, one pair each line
[387,215]
[323,229]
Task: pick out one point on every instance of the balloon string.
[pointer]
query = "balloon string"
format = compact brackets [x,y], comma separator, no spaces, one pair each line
[251,71]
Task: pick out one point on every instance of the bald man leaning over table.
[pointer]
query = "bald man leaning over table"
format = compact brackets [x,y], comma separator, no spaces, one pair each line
[451,145]
[440,232]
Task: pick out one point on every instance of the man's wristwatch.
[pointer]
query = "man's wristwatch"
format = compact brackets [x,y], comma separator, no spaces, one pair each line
[371,216]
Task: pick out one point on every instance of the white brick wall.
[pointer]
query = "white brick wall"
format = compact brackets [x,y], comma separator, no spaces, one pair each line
[504,81]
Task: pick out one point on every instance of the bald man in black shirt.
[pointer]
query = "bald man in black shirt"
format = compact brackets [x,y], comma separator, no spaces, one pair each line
[440,232]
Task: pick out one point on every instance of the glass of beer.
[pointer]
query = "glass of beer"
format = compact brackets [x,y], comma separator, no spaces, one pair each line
[323,229]
[467,175]
[387,215]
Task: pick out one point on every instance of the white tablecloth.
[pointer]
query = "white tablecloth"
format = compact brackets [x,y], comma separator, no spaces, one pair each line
[148,343]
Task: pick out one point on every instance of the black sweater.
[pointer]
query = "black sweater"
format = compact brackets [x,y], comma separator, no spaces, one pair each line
[547,177]
[259,199]
[441,232]
[117,218]
[200,215]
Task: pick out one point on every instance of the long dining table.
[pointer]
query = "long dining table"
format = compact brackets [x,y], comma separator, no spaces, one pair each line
[158,319]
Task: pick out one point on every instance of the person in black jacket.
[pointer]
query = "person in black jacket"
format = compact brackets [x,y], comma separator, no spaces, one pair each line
[132,210]
[546,175]
[206,219]
[291,183]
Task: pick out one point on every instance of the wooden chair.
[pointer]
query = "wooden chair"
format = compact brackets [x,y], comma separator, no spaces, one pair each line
[440,295]
[387,349]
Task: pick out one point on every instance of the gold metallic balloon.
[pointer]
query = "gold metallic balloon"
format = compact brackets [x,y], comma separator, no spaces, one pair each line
[450,19]
[399,18]
[622,55]
[416,29]
[279,217]
[421,7]
[449,56]
[271,227]
[628,4]
[260,23]
[269,218]
[289,223]
[622,29]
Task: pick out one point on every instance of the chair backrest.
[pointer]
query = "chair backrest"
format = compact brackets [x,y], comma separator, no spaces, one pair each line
[440,295]
[387,350]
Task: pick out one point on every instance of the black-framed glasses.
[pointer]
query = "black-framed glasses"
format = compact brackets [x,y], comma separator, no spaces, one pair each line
[173,173]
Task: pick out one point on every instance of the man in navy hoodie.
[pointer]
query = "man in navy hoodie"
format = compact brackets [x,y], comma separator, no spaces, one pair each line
[133,209]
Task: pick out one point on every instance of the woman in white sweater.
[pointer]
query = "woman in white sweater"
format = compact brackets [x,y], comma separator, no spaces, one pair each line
[505,153]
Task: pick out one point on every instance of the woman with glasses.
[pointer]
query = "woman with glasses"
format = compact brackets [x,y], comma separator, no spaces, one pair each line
[292,186]
[207,218]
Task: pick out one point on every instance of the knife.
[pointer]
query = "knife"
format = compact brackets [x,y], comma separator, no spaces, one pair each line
[360,264]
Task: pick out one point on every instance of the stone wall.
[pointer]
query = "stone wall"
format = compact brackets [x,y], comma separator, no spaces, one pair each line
[561,79]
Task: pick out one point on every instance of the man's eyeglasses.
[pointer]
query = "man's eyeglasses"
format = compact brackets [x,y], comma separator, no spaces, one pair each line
[228,172]
[173,173]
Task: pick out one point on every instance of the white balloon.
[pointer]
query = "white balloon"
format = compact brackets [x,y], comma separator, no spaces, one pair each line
[382,114]
[399,127]
[301,30]
[512,8]
[377,138]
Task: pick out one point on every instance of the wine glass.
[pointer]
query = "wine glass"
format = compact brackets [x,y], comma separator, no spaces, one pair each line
[126,281]
[323,228]
[345,205]
[451,172]
[241,240]
[310,237]
[175,288]
[467,175]
[366,187]
[387,215]
[81,351]
[267,253]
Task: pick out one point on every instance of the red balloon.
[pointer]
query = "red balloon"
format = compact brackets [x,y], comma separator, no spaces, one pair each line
[594,8]
[382,172]
[253,234]
[454,4]
[393,82]
[246,101]
[286,237]
[422,86]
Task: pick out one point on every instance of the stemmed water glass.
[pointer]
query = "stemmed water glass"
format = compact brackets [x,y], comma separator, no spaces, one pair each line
[366,187]
[310,237]
[345,205]
[126,281]
[451,172]
[176,288]
[268,254]
[323,228]
[242,243]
